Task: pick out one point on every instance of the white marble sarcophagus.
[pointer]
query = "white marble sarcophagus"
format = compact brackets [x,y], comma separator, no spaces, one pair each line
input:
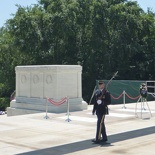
[34,84]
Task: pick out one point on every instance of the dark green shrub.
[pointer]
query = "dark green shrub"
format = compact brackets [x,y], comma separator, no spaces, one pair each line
[4,103]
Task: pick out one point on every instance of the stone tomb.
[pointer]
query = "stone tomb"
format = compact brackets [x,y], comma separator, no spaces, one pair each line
[34,84]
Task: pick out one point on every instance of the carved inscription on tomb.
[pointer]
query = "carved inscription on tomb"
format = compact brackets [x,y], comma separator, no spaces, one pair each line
[35,79]
[48,79]
[23,79]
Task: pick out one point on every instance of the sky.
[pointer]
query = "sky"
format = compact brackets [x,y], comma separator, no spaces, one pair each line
[7,7]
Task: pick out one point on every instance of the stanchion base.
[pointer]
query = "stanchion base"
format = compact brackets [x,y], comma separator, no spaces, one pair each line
[68,120]
[124,107]
[68,114]
[46,117]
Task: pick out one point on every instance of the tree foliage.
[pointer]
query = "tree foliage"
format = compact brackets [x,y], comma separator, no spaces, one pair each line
[101,35]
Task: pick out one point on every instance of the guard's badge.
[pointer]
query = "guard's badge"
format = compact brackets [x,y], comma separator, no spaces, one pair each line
[99,102]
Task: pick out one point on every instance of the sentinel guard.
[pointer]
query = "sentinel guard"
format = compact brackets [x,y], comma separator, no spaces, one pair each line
[101,100]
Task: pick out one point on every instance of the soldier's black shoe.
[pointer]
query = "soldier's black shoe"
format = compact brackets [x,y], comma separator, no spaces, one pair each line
[96,141]
[104,140]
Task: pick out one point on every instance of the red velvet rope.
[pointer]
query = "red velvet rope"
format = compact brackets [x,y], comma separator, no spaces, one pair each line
[57,103]
[133,98]
[116,98]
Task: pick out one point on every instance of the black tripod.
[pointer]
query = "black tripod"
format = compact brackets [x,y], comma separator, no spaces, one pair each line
[143,101]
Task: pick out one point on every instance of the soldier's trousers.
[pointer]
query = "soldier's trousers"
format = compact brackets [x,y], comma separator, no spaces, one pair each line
[101,130]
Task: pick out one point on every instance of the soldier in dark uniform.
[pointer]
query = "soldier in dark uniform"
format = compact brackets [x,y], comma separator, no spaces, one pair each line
[101,100]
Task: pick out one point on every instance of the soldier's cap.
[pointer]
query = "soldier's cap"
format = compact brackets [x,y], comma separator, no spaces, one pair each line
[100,82]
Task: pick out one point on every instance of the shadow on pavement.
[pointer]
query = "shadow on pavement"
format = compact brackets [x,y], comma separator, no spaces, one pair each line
[87,144]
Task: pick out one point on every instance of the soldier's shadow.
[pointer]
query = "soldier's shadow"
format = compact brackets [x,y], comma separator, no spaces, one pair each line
[87,144]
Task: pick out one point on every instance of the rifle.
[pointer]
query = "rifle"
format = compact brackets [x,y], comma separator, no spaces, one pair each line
[105,87]
[109,82]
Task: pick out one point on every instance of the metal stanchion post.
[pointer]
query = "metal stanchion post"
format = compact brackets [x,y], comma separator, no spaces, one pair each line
[46,107]
[124,107]
[68,119]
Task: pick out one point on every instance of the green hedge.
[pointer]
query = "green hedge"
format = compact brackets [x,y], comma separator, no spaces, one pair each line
[4,103]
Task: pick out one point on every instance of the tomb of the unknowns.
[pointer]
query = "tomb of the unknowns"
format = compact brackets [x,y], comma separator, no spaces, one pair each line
[36,83]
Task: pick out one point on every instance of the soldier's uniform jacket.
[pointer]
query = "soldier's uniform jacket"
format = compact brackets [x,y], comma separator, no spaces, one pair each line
[102,108]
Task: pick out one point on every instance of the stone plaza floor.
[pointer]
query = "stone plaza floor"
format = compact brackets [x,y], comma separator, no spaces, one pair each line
[32,134]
